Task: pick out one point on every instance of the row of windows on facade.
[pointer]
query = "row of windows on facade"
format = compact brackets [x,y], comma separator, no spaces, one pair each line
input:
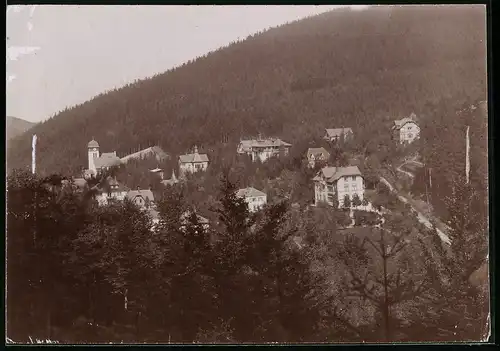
[346,187]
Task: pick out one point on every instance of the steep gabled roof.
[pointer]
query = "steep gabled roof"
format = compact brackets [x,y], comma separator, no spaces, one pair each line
[337,132]
[317,151]
[401,122]
[332,174]
[145,194]
[249,192]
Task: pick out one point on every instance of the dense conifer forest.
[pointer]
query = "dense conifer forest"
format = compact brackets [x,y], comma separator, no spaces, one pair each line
[360,69]
[79,272]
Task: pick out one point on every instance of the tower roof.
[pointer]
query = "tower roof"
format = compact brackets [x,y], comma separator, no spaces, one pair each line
[93,143]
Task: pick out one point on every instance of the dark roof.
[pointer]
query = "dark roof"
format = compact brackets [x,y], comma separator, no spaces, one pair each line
[332,174]
[107,159]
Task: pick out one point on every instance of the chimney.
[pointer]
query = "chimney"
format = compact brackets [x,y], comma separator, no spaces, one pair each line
[138,188]
[195,149]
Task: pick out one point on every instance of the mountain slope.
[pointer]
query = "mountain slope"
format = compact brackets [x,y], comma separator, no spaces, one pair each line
[16,126]
[358,69]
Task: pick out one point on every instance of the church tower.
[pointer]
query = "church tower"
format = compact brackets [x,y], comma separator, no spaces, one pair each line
[93,150]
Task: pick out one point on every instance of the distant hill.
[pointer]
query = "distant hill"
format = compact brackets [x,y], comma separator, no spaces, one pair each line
[16,126]
[358,69]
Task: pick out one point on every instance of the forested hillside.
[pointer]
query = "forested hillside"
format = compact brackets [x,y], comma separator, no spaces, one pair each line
[16,126]
[358,69]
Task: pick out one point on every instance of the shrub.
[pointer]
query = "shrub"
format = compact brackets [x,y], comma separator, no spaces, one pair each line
[366,218]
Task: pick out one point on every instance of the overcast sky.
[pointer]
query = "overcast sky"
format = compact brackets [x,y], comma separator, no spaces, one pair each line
[59,56]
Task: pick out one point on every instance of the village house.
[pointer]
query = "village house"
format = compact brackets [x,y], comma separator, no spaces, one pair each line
[406,130]
[263,149]
[254,198]
[316,154]
[338,134]
[192,163]
[337,182]
[99,162]
[172,181]
[201,220]
[112,191]
[144,198]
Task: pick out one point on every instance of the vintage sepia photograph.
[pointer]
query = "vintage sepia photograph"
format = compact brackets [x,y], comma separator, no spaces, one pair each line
[247,174]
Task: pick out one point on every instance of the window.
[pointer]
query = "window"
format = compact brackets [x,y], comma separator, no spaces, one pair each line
[346,186]
[353,178]
[354,187]
[410,135]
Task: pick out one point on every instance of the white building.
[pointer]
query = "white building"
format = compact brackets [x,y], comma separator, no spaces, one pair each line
[338,134]
[113,191]
[98,162]
[143,198]
[254,198]
[192,163]
[406,130]
[338,182]
[263,149]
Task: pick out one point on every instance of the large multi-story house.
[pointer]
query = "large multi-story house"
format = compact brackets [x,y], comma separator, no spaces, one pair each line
[336,182]
[254,198]
[406,130]
[192,163]
[99,162]
[263,149]
[338,134]
[315,155]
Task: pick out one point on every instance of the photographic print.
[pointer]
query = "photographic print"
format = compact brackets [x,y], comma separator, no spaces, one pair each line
[247,174]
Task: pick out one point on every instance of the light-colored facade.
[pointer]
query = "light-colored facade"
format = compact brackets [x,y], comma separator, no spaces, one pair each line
[337,182]
[316,154]
[142,198]
[98,162]
[254,198]
[338,134]
[406,130]
[192,163]
[263,149]
[115,192]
